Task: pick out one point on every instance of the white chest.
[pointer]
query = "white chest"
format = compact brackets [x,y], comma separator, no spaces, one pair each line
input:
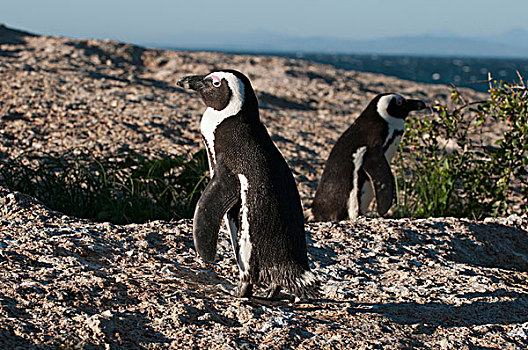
[366,191]
[392,148]
[208,125]
[391,142]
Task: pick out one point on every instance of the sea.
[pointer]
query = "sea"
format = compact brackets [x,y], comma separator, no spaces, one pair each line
[458,71]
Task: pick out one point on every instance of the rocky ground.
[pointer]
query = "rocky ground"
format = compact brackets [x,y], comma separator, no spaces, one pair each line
[439,283]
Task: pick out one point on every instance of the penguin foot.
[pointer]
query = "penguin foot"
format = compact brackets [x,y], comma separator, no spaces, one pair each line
[272,293]
[244,290]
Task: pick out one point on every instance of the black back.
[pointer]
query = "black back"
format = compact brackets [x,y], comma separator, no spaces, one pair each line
[243,146]
[331,198]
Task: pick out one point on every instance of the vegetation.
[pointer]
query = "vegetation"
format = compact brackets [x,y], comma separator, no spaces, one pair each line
[446,166]
[131,188]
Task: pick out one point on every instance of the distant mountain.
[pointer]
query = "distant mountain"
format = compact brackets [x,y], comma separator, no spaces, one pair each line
[514,37]
[513,43]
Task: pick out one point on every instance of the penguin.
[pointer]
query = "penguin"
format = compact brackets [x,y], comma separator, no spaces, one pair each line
[252,189]
[359,163]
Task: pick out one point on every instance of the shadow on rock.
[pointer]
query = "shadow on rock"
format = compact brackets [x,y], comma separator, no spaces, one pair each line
[207,315]
[478,244]
[9,340]
[126,78]
[9,53]
[269,101]
[310,75]
[492,245]
[118,54]
[12,36]
[129,330]
[466,315]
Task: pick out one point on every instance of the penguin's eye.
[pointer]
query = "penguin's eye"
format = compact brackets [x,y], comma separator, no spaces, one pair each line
[217,83]
[399,101]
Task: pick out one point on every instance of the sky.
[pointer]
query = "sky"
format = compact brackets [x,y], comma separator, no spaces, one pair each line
[162,21]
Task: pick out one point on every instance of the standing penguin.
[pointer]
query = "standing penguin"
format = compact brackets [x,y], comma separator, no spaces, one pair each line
[252,188]
[361,160]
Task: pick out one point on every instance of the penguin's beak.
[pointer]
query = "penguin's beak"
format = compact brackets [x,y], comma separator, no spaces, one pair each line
[415,105]
[193,82]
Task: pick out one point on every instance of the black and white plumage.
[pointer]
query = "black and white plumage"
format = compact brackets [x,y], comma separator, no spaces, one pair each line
[251,188]
[359,163]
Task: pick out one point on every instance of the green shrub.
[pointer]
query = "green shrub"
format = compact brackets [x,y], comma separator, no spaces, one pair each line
[446,168]
[128,188]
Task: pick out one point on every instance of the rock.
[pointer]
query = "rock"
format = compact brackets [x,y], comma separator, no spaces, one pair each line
[67,282]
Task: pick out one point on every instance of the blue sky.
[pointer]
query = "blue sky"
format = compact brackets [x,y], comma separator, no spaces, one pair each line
[163,20]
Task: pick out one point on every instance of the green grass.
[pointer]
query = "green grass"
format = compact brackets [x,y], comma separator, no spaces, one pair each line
[127,188]
[466,177]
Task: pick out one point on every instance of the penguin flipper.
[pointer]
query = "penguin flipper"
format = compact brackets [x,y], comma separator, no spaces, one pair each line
[378,170]
[220,195]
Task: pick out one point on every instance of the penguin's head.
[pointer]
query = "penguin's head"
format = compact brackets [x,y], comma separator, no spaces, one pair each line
[396,106]
[223,90]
